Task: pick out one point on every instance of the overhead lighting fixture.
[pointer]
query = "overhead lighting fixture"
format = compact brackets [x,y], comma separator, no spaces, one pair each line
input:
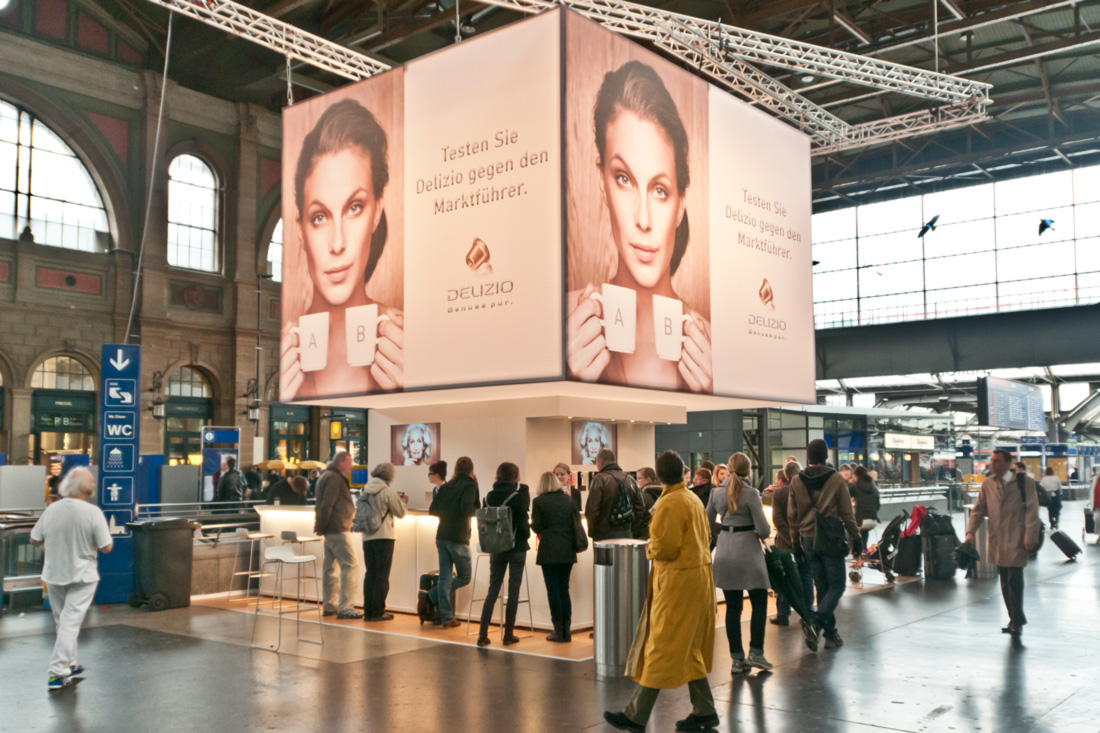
[6,5]
[807,78]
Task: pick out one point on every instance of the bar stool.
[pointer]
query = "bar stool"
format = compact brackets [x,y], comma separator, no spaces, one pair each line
[243,536]
[291,537]
[282,556]
[502,599]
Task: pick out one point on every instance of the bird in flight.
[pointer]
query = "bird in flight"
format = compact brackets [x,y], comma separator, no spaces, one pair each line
[1045,224]
[929,227]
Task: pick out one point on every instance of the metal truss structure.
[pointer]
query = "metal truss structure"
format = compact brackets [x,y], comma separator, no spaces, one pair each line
[729,55]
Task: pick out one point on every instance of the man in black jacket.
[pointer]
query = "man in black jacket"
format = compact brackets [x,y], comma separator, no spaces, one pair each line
[454,504]
[601,501]
[231,485]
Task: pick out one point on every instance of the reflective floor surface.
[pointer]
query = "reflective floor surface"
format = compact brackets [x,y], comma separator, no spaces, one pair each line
[921,656]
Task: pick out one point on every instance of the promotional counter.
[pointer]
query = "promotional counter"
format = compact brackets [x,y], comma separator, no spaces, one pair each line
[415,554]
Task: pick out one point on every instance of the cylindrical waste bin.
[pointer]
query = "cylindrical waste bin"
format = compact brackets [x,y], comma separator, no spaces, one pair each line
[162,562]
[621,580]
[982,570]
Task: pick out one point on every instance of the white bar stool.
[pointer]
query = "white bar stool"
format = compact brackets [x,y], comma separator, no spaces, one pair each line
[243,536]
[282,556]
[502,599]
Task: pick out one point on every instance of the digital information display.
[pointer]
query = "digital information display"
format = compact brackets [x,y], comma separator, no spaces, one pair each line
[1012,405]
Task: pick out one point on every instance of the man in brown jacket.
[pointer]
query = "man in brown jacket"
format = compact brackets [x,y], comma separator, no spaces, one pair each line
[1010,501]
[601,500]
[820,491]
[334,514]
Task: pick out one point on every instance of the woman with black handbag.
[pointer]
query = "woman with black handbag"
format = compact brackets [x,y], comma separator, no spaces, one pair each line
[556,521]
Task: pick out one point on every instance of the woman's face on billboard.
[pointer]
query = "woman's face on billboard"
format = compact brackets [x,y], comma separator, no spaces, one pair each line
[338,218]
[416,446]
[638,180]
[592,443]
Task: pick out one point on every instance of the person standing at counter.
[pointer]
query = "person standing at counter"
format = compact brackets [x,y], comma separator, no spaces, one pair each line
[674,641]
[288,491]
[554,519]
[454,504]
[507,491]
[564,475]
[72,529]
[651,487]
[601,501]
[437,476]
[334,514]
[377,507]
[739,561]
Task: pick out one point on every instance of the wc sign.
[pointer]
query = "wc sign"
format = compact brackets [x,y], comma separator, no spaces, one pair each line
[119,433]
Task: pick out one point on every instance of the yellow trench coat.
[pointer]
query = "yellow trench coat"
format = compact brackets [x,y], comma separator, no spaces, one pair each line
[674,642]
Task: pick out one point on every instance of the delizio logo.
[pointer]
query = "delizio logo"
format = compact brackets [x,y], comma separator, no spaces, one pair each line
[767,296]
[477,259]
[765,326]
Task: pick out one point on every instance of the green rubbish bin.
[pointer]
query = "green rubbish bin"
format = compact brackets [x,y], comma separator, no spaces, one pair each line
[162,562]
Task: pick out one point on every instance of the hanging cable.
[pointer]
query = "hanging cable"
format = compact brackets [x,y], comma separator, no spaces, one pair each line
[458,25]
[289,85]
[936,32]
[152,178]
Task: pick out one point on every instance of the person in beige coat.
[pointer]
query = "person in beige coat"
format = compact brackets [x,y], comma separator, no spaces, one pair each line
[378,505]
[1009,500]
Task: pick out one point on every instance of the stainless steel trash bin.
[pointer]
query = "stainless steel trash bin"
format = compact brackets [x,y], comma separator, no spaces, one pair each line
[621,580]
[982,570]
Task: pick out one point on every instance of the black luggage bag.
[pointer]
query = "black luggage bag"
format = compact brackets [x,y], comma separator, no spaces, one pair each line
[939,555]
[429,611]
[1090,521]
[908,560]
[1066,544]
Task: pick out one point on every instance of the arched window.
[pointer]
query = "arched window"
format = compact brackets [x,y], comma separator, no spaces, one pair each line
[275,253]
[44,185]
[62,372]
[192,214]
[189,382]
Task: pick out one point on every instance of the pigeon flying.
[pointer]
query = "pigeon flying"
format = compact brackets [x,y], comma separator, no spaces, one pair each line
[1045,224]
[930,226]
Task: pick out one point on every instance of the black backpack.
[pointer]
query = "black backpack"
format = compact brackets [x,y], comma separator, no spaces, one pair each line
[622,509]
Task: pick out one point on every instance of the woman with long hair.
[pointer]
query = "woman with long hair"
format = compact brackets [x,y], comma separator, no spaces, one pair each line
[339,187]
[739,560]
[553,519]
[642,168]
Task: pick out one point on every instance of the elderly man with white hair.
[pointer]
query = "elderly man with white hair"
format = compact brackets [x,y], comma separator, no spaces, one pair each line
[72,530]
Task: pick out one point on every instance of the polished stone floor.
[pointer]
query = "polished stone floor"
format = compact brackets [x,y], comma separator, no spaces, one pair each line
[923,656]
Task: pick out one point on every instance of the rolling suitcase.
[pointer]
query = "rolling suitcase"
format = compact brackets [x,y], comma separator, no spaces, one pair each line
[1090,521]
[939,555]
[426,610]
[908,559]
[1068,547]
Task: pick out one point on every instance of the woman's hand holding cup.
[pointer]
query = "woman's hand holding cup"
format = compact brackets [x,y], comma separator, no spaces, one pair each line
[696,360]
[292,375]
[587,347]
[388,369]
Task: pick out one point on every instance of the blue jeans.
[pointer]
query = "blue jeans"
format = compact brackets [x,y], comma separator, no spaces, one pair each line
[451,554]
[828,574]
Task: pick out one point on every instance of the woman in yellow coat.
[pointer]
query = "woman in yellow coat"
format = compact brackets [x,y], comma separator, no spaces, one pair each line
[674,642]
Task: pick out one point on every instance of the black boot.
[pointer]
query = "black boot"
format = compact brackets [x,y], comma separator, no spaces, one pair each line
[566,633]
[556,637]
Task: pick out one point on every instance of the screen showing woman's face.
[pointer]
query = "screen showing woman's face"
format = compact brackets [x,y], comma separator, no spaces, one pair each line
[416,446]
[638,180]
[593,443]
[339,215]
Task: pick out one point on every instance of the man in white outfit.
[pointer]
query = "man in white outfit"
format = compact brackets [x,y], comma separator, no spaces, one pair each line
[72,530]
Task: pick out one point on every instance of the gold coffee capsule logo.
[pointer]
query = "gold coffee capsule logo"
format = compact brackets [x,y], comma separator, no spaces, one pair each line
[477,259]
[767,297]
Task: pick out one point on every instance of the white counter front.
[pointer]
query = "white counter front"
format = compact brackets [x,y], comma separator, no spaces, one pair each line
[415,554]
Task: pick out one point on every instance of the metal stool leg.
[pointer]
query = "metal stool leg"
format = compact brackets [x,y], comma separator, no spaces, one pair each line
[473,585]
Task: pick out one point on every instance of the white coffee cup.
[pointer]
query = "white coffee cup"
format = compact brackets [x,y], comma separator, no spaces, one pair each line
[668,327]
[312,333]
[361,331]
[620,316]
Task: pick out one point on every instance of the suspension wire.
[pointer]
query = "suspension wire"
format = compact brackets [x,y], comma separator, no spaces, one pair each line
[289,85]
[152,178]
[458,24]
[936,32]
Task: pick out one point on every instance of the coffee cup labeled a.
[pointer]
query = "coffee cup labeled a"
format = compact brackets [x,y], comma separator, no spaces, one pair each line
[668,327]
[620,316]
[312,333]
[361,330]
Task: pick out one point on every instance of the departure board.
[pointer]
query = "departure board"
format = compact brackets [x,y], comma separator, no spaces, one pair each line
[1013,405]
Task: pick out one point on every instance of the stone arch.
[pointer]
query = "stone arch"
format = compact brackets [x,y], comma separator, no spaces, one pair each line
[90,363]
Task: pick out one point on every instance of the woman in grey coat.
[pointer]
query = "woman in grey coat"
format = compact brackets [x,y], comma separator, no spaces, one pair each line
[739,560]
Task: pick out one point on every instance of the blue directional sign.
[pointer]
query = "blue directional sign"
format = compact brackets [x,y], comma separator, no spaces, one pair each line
[119,441]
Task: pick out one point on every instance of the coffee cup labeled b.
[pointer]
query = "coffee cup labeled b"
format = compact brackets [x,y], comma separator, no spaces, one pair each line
[619,316]
[361,330]
[312,333]
[668,327]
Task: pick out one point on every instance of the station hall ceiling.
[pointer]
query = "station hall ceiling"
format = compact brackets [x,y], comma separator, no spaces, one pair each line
[1042,58]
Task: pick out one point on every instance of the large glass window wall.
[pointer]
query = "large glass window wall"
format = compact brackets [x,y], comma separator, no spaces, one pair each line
[985,255]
